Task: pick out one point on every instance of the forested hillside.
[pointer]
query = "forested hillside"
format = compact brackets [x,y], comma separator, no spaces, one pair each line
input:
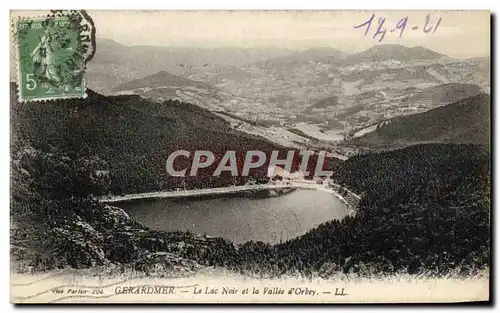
[425,209]
[465,121]
[132,138]
[391,52]
[445,93]
[65,152]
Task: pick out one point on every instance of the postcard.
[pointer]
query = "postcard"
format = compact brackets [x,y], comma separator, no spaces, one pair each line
[329,156]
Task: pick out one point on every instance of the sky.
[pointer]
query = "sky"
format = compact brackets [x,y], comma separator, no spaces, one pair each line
[459,34]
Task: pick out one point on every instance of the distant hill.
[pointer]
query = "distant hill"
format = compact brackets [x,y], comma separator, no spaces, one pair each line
[333,56]
[391,52]
[162,79]
[115,63]
[164,85]
[465,121]
[320,54]
[446,93]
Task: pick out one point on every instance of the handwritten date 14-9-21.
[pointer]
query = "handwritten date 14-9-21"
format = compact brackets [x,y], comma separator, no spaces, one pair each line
[380,28]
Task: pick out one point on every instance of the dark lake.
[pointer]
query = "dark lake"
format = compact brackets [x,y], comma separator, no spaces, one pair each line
[240,218]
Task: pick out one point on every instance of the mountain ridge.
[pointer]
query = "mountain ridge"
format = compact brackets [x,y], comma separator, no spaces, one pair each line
[115,63]
[392,52]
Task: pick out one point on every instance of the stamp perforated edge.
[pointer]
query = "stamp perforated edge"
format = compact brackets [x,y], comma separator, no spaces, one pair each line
[15,58]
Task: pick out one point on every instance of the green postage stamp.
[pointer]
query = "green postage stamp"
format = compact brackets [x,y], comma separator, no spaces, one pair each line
[52,53]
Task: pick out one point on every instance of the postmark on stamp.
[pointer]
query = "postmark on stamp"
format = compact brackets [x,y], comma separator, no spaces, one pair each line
[52,55]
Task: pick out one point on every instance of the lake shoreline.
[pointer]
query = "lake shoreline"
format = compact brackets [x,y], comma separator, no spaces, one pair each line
[243,194]
[196,193]
[241,218]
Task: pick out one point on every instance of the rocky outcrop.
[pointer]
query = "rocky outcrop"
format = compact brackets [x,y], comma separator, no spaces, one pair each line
[165,264]
[97,234]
